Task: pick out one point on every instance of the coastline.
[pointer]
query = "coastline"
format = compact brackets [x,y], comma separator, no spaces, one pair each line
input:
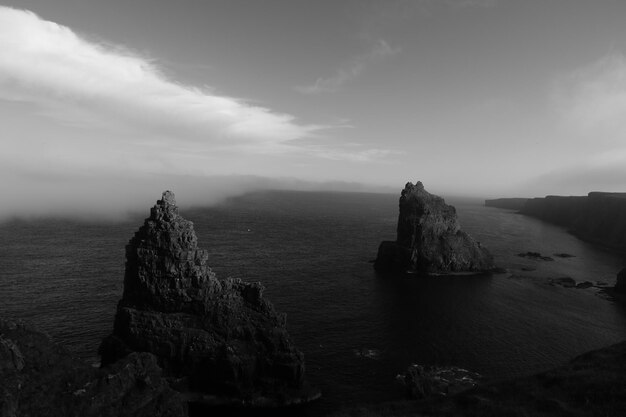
[596,218]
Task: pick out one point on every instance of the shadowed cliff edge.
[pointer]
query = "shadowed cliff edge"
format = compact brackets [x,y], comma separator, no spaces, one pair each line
[430,240]
[219,342]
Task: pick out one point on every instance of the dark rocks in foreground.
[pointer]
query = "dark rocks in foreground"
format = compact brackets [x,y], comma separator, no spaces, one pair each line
[40,378]
[219,342]
[592,384]
[429,239]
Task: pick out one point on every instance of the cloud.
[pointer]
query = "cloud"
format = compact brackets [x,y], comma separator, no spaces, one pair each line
[82,83]
[350,70]
[129,114]
[589,121]
[592,100]
[90,128]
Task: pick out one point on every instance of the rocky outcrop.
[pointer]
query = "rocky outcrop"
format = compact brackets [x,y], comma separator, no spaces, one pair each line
[432,381]
[535,255]
[40,378]
[567,282]
[514,203]
[598,217]
[429,239]
[218,341]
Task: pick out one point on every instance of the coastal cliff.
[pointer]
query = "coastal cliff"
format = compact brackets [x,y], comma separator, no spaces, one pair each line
[429,239]
[598,217]
[219,342]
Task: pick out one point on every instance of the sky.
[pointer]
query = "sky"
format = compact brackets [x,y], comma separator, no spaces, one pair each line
[104,104]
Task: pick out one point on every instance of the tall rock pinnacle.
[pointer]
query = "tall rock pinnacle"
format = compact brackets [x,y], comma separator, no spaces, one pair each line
[165,270]
[218,341]
[429,238]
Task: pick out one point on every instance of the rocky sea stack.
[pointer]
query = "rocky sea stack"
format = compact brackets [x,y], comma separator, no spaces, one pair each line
[429,239]
[219,342]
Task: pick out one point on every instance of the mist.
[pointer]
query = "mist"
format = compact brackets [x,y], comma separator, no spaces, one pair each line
[115,197]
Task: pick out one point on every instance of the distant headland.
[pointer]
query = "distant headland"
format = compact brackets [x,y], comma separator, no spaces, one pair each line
[598,217]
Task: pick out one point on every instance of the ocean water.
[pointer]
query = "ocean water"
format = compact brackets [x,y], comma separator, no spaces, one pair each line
[313,252]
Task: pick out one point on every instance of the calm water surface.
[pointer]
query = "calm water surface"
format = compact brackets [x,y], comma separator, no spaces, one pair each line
[312,252]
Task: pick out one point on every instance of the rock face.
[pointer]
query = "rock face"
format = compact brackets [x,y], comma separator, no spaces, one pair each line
[40,378]
[218,341]
[429,239]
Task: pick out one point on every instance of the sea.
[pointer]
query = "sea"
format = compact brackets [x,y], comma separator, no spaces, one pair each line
[313,252]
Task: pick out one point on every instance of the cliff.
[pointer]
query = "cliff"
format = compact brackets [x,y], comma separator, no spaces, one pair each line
[507,203]
[598,217]
[218,341]
[429,239]
[41,378]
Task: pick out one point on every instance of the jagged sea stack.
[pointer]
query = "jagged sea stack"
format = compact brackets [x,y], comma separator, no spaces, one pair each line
[429,239]
[218,341]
